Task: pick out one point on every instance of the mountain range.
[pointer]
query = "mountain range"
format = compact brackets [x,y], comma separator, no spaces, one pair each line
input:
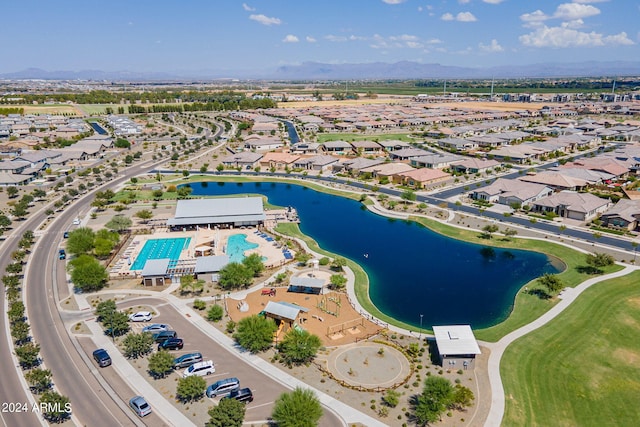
[363,71]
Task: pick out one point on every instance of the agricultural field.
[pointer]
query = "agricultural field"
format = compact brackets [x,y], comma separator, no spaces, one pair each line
[49,109]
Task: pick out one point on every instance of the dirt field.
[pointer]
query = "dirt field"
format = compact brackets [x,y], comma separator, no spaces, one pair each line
[495,106]
[50,109]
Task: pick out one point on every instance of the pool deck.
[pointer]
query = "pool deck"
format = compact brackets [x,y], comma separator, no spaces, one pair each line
[215,240]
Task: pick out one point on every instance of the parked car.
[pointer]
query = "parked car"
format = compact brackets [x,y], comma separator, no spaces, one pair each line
[201,369]
[171,344]
[186,360]
[62,254]
[160,337]
[223,387]
[243,395]
[140,406]
[156,327]
[102,357]
[141,316]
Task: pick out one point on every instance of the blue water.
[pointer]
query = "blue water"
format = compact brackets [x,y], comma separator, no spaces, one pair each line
[293,133]
[98,128]
[412,270]
[236,245]
[160,248]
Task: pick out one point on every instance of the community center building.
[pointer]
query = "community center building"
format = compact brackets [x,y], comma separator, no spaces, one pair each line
[223,212]
[457,346]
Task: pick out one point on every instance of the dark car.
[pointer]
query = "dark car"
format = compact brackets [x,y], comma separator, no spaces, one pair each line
[161,337]
[102,357]
[62,254]
[66,235]
[171,344]
[243,395]
[187,360]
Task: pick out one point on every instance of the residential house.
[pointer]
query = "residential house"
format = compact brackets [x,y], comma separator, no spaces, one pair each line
[572,205]
[12,179]
[407,153]
[393,144]
[243,159]
[421,178]
[457,144]
[624,215]
[389,170]
[512,192]
[473,166]
[337,147]
[366,148]
[316,163]
[278,161]
[354,166]
[435,161]
[556,180]
[263,144]
[306,147]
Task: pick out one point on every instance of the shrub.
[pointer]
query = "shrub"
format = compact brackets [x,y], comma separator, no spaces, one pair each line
[215,313]
[199,304]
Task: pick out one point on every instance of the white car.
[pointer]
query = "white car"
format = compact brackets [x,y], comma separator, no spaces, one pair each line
[141,316]
[201,369]
[76,221]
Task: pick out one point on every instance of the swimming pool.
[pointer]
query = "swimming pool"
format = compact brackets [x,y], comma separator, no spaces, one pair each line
[160,248]
[236,245]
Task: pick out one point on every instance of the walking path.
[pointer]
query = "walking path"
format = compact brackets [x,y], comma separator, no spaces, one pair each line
[496,412]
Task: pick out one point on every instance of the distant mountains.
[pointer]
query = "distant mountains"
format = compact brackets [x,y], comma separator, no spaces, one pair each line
[374,70]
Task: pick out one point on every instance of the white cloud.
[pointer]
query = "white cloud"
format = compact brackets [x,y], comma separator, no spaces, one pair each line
[537,16]
[562,37]
[394,1]
[333,38]
[355,38]
[460,17]
[589,1]
[463,1]
[414,45]
[290,38]
[404,37]
[578,23]
[465,17]
[494,46]
[248,8]
[265,20]
[573,11]
[493,1]
[310,39]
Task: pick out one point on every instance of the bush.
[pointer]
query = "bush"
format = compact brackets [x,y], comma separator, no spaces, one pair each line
[215,313]
[199,304]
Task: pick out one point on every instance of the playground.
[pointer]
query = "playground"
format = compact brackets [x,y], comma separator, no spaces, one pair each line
[329,315]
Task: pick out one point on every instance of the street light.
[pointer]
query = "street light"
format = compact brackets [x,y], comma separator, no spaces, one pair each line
[421,327]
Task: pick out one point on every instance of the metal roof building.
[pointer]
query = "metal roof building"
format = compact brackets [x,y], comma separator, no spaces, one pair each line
[236,211]
[456,343]
[281,311]
[210,264]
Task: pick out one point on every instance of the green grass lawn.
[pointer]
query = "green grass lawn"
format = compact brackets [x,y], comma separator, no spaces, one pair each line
[356,136]
[583,368]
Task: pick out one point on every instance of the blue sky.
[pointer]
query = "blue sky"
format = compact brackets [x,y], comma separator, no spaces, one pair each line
[195,35]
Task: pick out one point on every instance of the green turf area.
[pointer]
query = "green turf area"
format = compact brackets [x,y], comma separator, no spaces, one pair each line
[359,137]
[581,369]
[95,109]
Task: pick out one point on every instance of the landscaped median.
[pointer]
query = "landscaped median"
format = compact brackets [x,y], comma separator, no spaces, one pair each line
[582,367]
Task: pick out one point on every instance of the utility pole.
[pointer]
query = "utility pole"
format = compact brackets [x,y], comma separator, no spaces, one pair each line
[420,333]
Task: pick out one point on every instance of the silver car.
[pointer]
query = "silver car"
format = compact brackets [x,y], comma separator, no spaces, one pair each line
[140,406]
[156,327]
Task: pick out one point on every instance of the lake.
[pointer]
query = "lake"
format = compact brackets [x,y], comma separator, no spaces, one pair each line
[412,270]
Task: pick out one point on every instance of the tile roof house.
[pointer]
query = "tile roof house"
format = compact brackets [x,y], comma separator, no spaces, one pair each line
[340,147]
[421,178]
[278,160]
[244,159]
[556,180]
[316,163]
[623,215]
[387,170]
[435,161]
[512,191]
[572,205]
[357,164]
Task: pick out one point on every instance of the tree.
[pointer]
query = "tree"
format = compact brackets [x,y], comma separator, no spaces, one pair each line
[462,397]
[19,210]
[408,196]
[191,388]
[160,364]
[87,274]
[104,309]
[81,241]
[39,380]
[215,313]
[300,408]
[598,260]
[235,275]
[28,355]
[157,194]
[190,284]
[28,235]
[18,256]
[228,413]
[436,397]
[16,312]
[136,345]
[102,247]
[337,281]
[119,223]
[299,347]
[339,263]
[488,230]
[14,268]
[220,167]
[5,222]
[184,192]
[11,281]
[20,332]
[254,263]
[145,215]
[551,282]
[57,407]
[510,232]
[391,398]
[12,192]
[255,333]
[116,323]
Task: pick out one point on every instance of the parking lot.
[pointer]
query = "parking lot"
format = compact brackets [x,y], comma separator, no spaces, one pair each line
[265,389]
